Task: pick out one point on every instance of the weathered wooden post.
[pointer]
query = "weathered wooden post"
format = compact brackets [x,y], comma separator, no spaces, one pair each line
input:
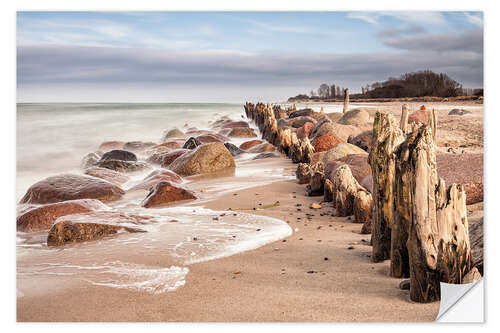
[346,100]
[387,136]
[433,123]
[438,232]
[403,124]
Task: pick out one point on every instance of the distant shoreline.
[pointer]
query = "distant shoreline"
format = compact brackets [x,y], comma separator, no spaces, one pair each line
[475,99]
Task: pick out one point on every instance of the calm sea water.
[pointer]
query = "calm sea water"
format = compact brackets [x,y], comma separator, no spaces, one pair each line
[53,138]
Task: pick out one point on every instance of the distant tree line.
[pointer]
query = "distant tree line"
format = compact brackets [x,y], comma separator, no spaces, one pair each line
[415,84]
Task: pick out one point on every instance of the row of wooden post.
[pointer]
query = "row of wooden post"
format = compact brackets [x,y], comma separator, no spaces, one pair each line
[418,223]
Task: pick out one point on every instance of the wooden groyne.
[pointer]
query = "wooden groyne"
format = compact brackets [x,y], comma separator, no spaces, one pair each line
[416,221]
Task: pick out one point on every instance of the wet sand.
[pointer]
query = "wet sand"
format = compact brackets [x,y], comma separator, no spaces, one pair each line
[287,280]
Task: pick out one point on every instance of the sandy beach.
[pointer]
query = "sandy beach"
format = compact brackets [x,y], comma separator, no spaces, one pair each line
[322,272]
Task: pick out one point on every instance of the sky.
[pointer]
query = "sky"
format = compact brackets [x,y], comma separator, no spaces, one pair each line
[235,56]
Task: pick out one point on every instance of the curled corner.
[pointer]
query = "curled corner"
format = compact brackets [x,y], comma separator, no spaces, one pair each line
[461,302]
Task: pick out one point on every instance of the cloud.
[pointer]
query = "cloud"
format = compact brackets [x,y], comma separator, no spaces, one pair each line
[471,41]
[476,19]
[411,17]
[40,66]
[276,27]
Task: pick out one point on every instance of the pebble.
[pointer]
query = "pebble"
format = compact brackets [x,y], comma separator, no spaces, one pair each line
[350,248]
[325,259]
[311,272]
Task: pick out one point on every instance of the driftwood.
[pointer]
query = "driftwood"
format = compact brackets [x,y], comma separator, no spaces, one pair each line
[386,138]
[433,123]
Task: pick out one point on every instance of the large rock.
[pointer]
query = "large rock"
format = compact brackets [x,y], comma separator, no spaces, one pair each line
[156,177]
[111,176]
[301,113]
[117,154]
[233,124]
[300,121]
[325,142]
[71,187]
[363,140]
[305,130]
[266,155]
[358,164]
[262,148]
[343,132]
[464,169]
[241,132]
[458,112]
[92,226]
[164,193]
[419,116]
[138,146]
[208,158]
[341,150]
[173,133]
[167,145]
[233,149]
[110,145]
[249,144]
[123,166]
[89,159]
[192,143]
[43,217]
[354,117]
[211,137]
[334,116]
[476,244]
[166,158]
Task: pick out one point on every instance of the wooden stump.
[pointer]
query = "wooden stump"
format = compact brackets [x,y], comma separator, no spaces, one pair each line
[438,232]
[386,138]
[346,100]
[403,124]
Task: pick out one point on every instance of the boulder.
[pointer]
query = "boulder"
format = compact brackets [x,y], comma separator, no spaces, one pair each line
[211,137]
[43,217]
[71,187]
[341,150]
[305,130]
[249,144]
[262,148]
[317,157]
[241,132]
[301,113]
[325,142]
[192,143]
[208,158]
[110,145]
[117,154]
[173,133]
[89,159]
[111,176]
[358,163]
[334,116]
[266,155]
[464,169]
[92,226]
[458,112]
[122,166]
[233,124]
[419,116]
[367,183]
[354,117]
[300,121]
[362,140]
[343,132]
[233,149]
[155,177]
[168,145]
[166,158]
[138,146]
[476,244]
[166,192]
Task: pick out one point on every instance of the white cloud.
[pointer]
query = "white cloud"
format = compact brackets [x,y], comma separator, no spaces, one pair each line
[369,17]
[412,17]
[474,19]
